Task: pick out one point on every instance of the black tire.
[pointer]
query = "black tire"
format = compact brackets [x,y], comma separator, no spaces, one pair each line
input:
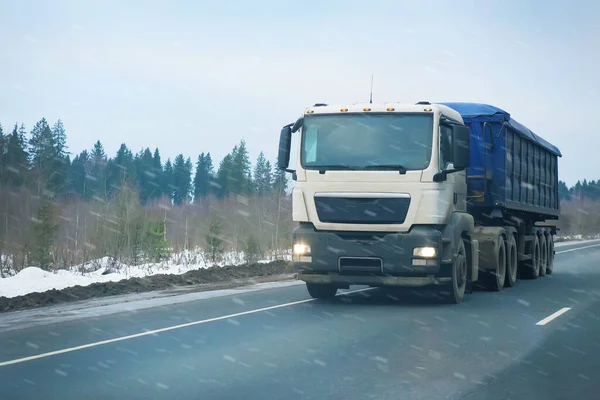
[493,279]
[454,292]
[321,291]
[543,255]
[512,267]
[531,267]
[550,259]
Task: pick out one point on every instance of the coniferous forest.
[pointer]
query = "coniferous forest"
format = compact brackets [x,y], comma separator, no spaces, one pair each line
[58,209]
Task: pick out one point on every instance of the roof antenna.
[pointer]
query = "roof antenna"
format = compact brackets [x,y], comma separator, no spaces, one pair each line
[371,96]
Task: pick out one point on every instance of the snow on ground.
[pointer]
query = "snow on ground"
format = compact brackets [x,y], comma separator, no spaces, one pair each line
[34,279]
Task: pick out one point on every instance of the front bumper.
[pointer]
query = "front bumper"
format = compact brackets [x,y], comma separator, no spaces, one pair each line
[331,250]
[399,281]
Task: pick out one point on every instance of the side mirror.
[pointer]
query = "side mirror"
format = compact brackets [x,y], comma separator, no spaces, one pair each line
[285,143]
[461,138]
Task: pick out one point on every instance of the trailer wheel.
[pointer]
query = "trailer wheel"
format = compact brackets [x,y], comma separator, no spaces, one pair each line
[454,292]
[550,259]
[511,262]
[321,291]
[531,267]
[543,255]
[493,279]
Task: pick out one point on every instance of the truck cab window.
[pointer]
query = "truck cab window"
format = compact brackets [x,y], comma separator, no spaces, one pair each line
[446,149]
[310,145]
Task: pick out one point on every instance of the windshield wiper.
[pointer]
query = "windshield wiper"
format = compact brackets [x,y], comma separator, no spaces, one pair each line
[387,167]
[323,168]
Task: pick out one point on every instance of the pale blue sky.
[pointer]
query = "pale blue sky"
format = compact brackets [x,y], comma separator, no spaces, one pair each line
[193,76]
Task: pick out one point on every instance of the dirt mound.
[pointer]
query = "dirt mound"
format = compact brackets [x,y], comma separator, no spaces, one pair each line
[145,284]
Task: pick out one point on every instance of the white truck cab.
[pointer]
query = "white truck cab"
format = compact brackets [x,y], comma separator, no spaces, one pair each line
[380,196]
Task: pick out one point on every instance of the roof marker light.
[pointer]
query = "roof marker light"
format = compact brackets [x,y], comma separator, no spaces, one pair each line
[427,109]
[310,111]
[390,109]
[366,109]
[344,110]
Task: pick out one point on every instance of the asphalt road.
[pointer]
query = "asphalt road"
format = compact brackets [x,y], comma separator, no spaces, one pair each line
[375,344]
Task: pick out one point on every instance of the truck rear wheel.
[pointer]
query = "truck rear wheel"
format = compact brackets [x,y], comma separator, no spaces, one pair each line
[531,267]
[543,255]
[321,291]
[550,259]
[454,292]
[511,261]
[493,279]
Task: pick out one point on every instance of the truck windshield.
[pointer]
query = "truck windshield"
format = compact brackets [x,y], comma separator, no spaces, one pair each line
[367,141]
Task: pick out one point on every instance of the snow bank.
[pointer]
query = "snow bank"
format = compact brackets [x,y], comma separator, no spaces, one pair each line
[33,279]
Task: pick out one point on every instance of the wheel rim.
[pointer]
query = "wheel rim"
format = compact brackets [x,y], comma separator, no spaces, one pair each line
[501,264]
[461,271]
[536,256]
[543,259]
[513,262]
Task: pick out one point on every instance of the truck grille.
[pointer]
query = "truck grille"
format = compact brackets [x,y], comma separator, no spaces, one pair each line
[391,209]
[368,265]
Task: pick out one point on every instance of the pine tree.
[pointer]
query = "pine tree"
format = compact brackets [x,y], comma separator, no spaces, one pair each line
[262,175]
[210,171]
[155,245]
[41,144]
[17,158]
[169,179]
[43,156]
[44,229]
[199,178]
[241,169]
[224,180]
[121,169]
[96,178]
[146,178]
[157,169]
[59,138]
[202,177]
[78,175]
[182,180]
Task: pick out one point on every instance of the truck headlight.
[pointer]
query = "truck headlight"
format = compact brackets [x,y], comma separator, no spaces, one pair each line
[301,249]
[427,252]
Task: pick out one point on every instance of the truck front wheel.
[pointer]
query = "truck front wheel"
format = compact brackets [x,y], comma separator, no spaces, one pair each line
[454,292]
[321,291]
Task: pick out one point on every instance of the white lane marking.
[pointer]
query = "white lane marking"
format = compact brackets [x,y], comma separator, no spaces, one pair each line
[553,316]
[166,329]
[579,248]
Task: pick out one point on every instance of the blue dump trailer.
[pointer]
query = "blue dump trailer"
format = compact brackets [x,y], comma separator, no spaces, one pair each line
[448,195]
[513,172]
